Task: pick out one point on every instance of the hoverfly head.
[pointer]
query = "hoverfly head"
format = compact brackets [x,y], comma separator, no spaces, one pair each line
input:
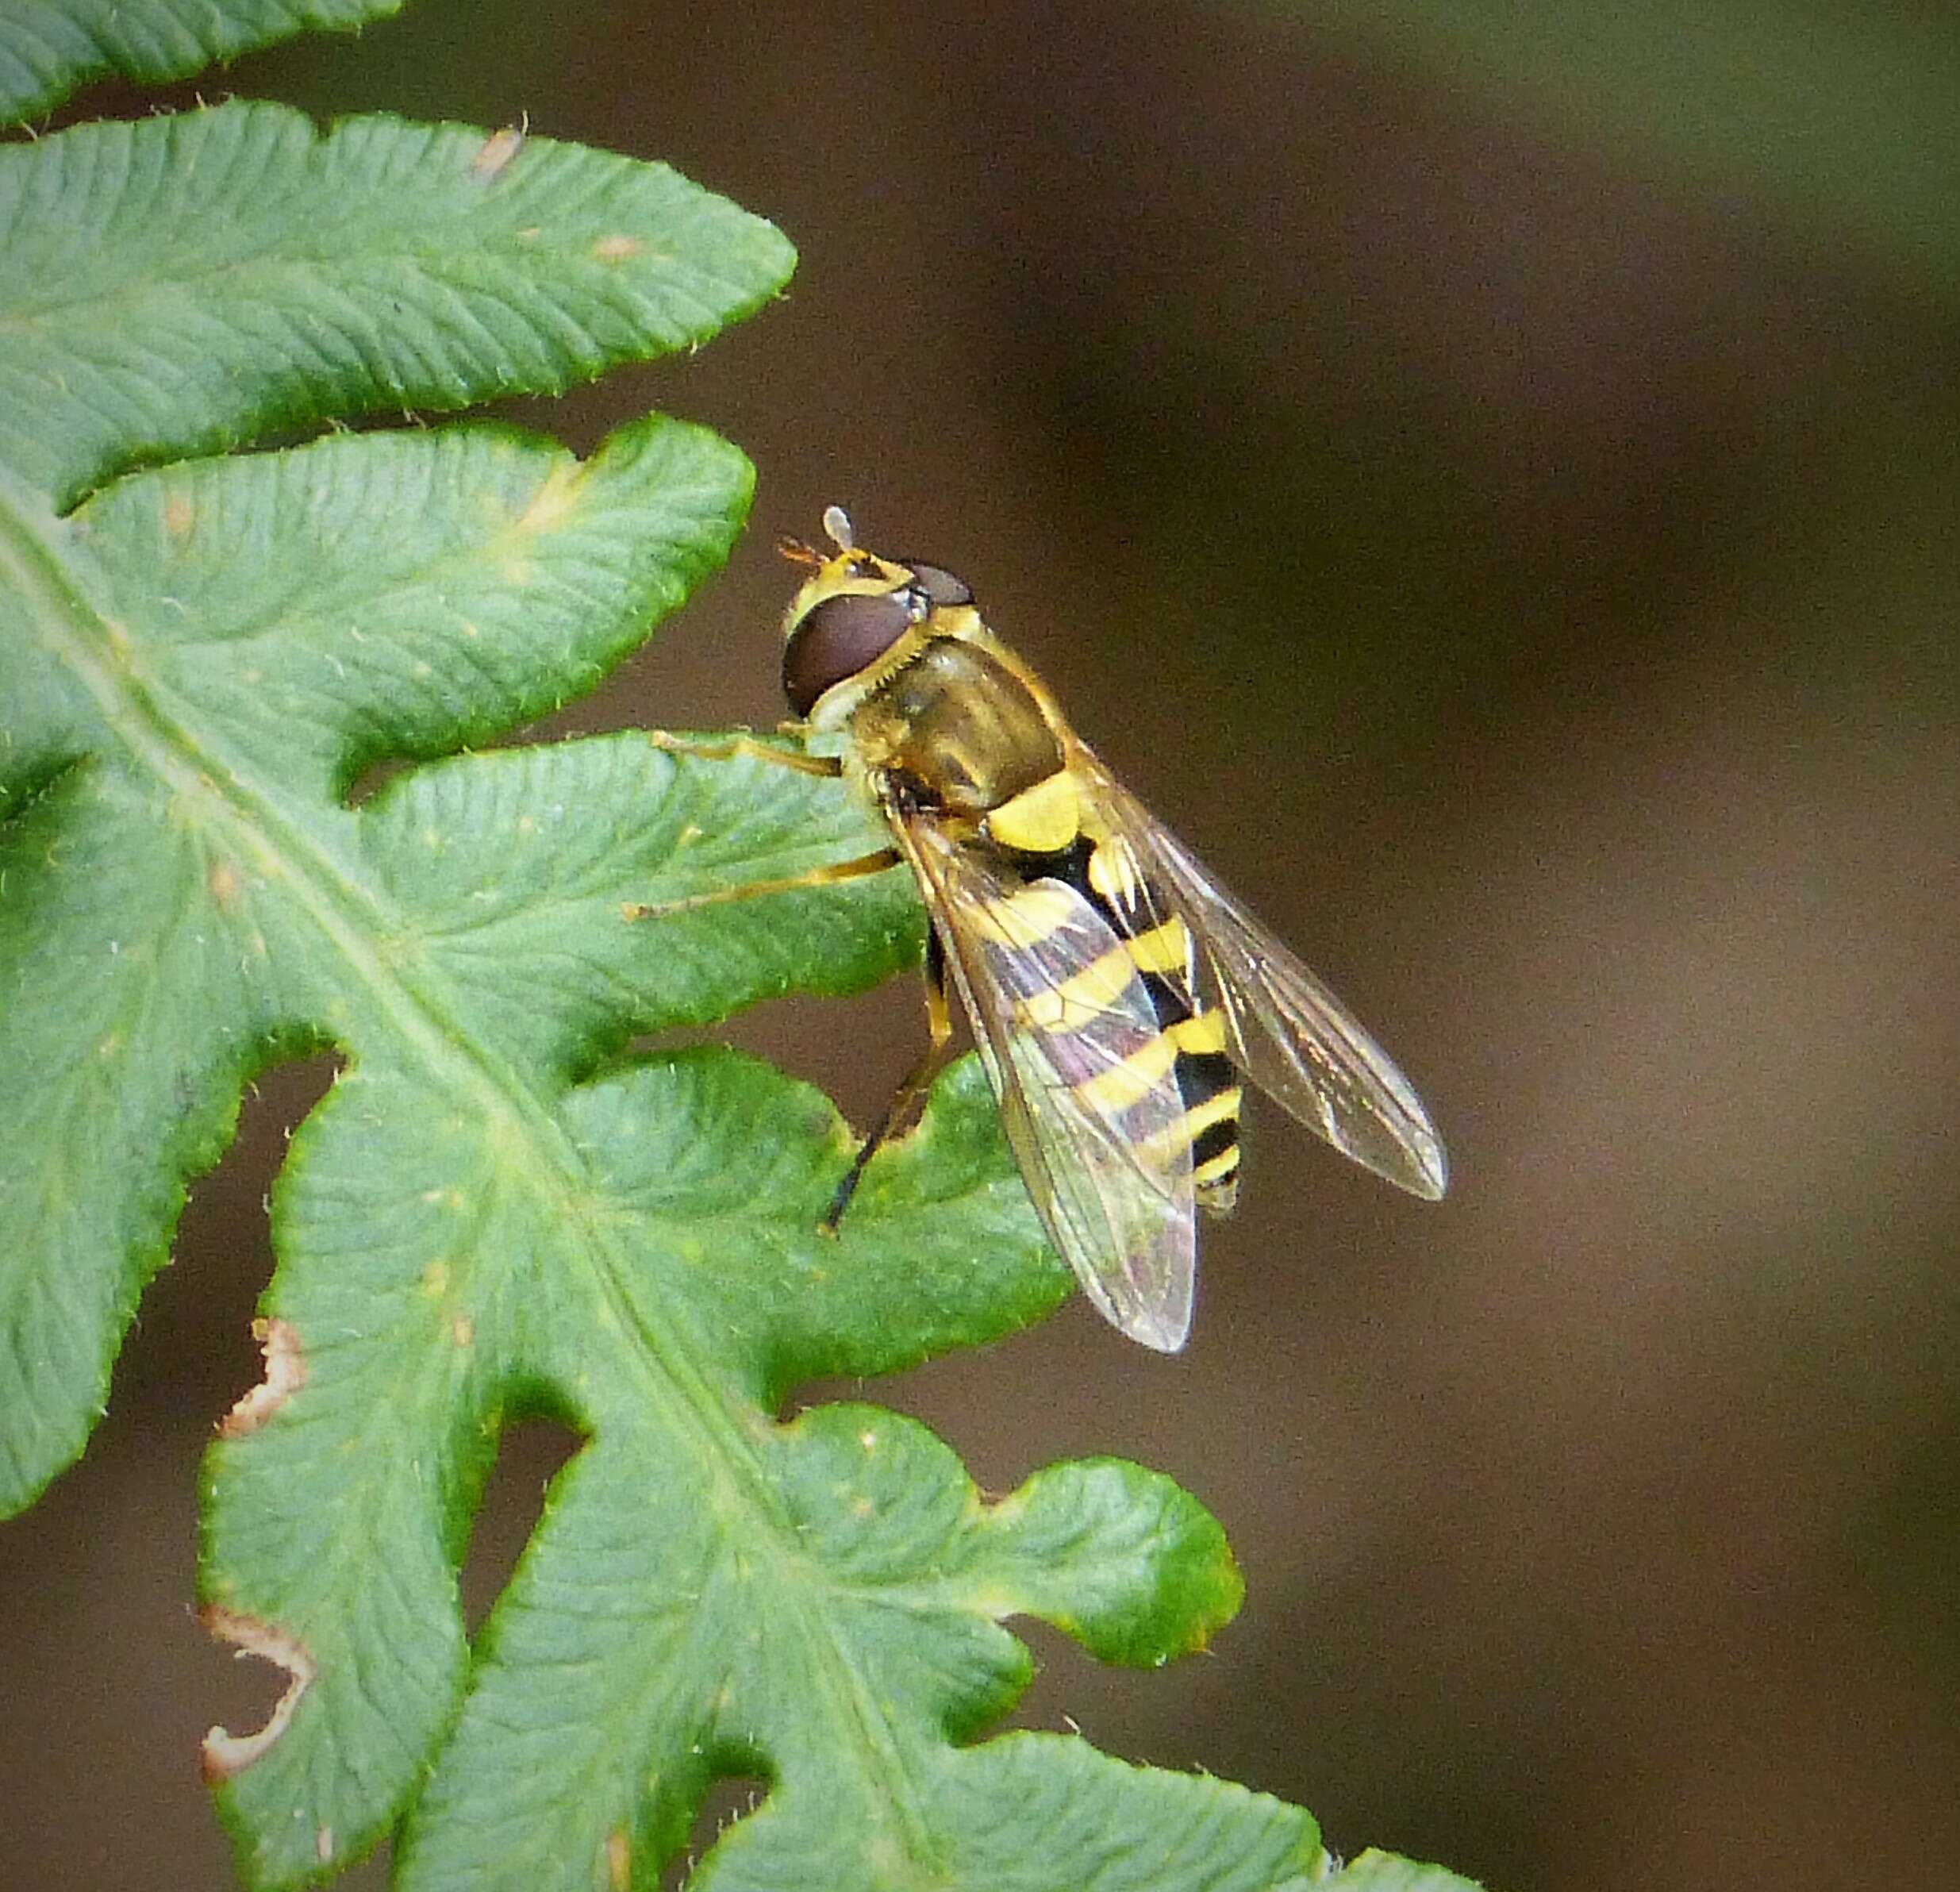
[852,609]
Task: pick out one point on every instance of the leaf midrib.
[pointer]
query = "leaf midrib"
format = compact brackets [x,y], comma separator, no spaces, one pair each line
[159,738]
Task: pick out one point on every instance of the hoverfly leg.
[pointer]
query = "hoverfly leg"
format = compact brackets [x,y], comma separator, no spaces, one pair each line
[879,862]
[745,744]
[939,1024]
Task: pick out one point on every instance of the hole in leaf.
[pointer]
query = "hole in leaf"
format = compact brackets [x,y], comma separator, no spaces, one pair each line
[194,1347]
[729,1799]
[374,1874]
[285,1374]
[371,777]
[1157,1718]
[530,1454]
[857,1050]
[226,1753]
[1064,1690]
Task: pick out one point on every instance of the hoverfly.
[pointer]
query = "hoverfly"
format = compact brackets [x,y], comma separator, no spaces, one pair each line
[1116,994]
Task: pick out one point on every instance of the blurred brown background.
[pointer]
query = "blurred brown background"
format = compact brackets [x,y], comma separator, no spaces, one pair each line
[1491,486]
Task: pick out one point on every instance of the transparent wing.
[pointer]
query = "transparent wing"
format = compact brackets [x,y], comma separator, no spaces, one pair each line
[1088,1092]
[1286,1032]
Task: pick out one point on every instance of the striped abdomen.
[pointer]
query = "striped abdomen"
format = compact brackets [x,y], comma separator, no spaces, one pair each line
[1190,1040]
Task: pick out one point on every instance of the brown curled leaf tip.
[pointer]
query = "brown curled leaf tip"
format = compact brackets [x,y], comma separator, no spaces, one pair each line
[225,1754]
[285,1374]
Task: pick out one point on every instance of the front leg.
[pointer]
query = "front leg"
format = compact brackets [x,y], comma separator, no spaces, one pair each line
[726,749]
[742,743]
[827,875]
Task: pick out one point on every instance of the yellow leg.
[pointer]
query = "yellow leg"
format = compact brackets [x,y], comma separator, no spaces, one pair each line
[939,1024]
[827,875]
[745,744]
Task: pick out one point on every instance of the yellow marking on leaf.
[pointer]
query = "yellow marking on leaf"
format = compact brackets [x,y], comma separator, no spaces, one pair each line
[554,502]
[616,249]
[226,883]
[179,514]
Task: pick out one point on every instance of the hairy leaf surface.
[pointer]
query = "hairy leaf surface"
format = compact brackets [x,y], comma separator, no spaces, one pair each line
[245,271]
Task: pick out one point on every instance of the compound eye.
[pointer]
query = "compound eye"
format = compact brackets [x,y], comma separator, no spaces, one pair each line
[939,584]
[838,638]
